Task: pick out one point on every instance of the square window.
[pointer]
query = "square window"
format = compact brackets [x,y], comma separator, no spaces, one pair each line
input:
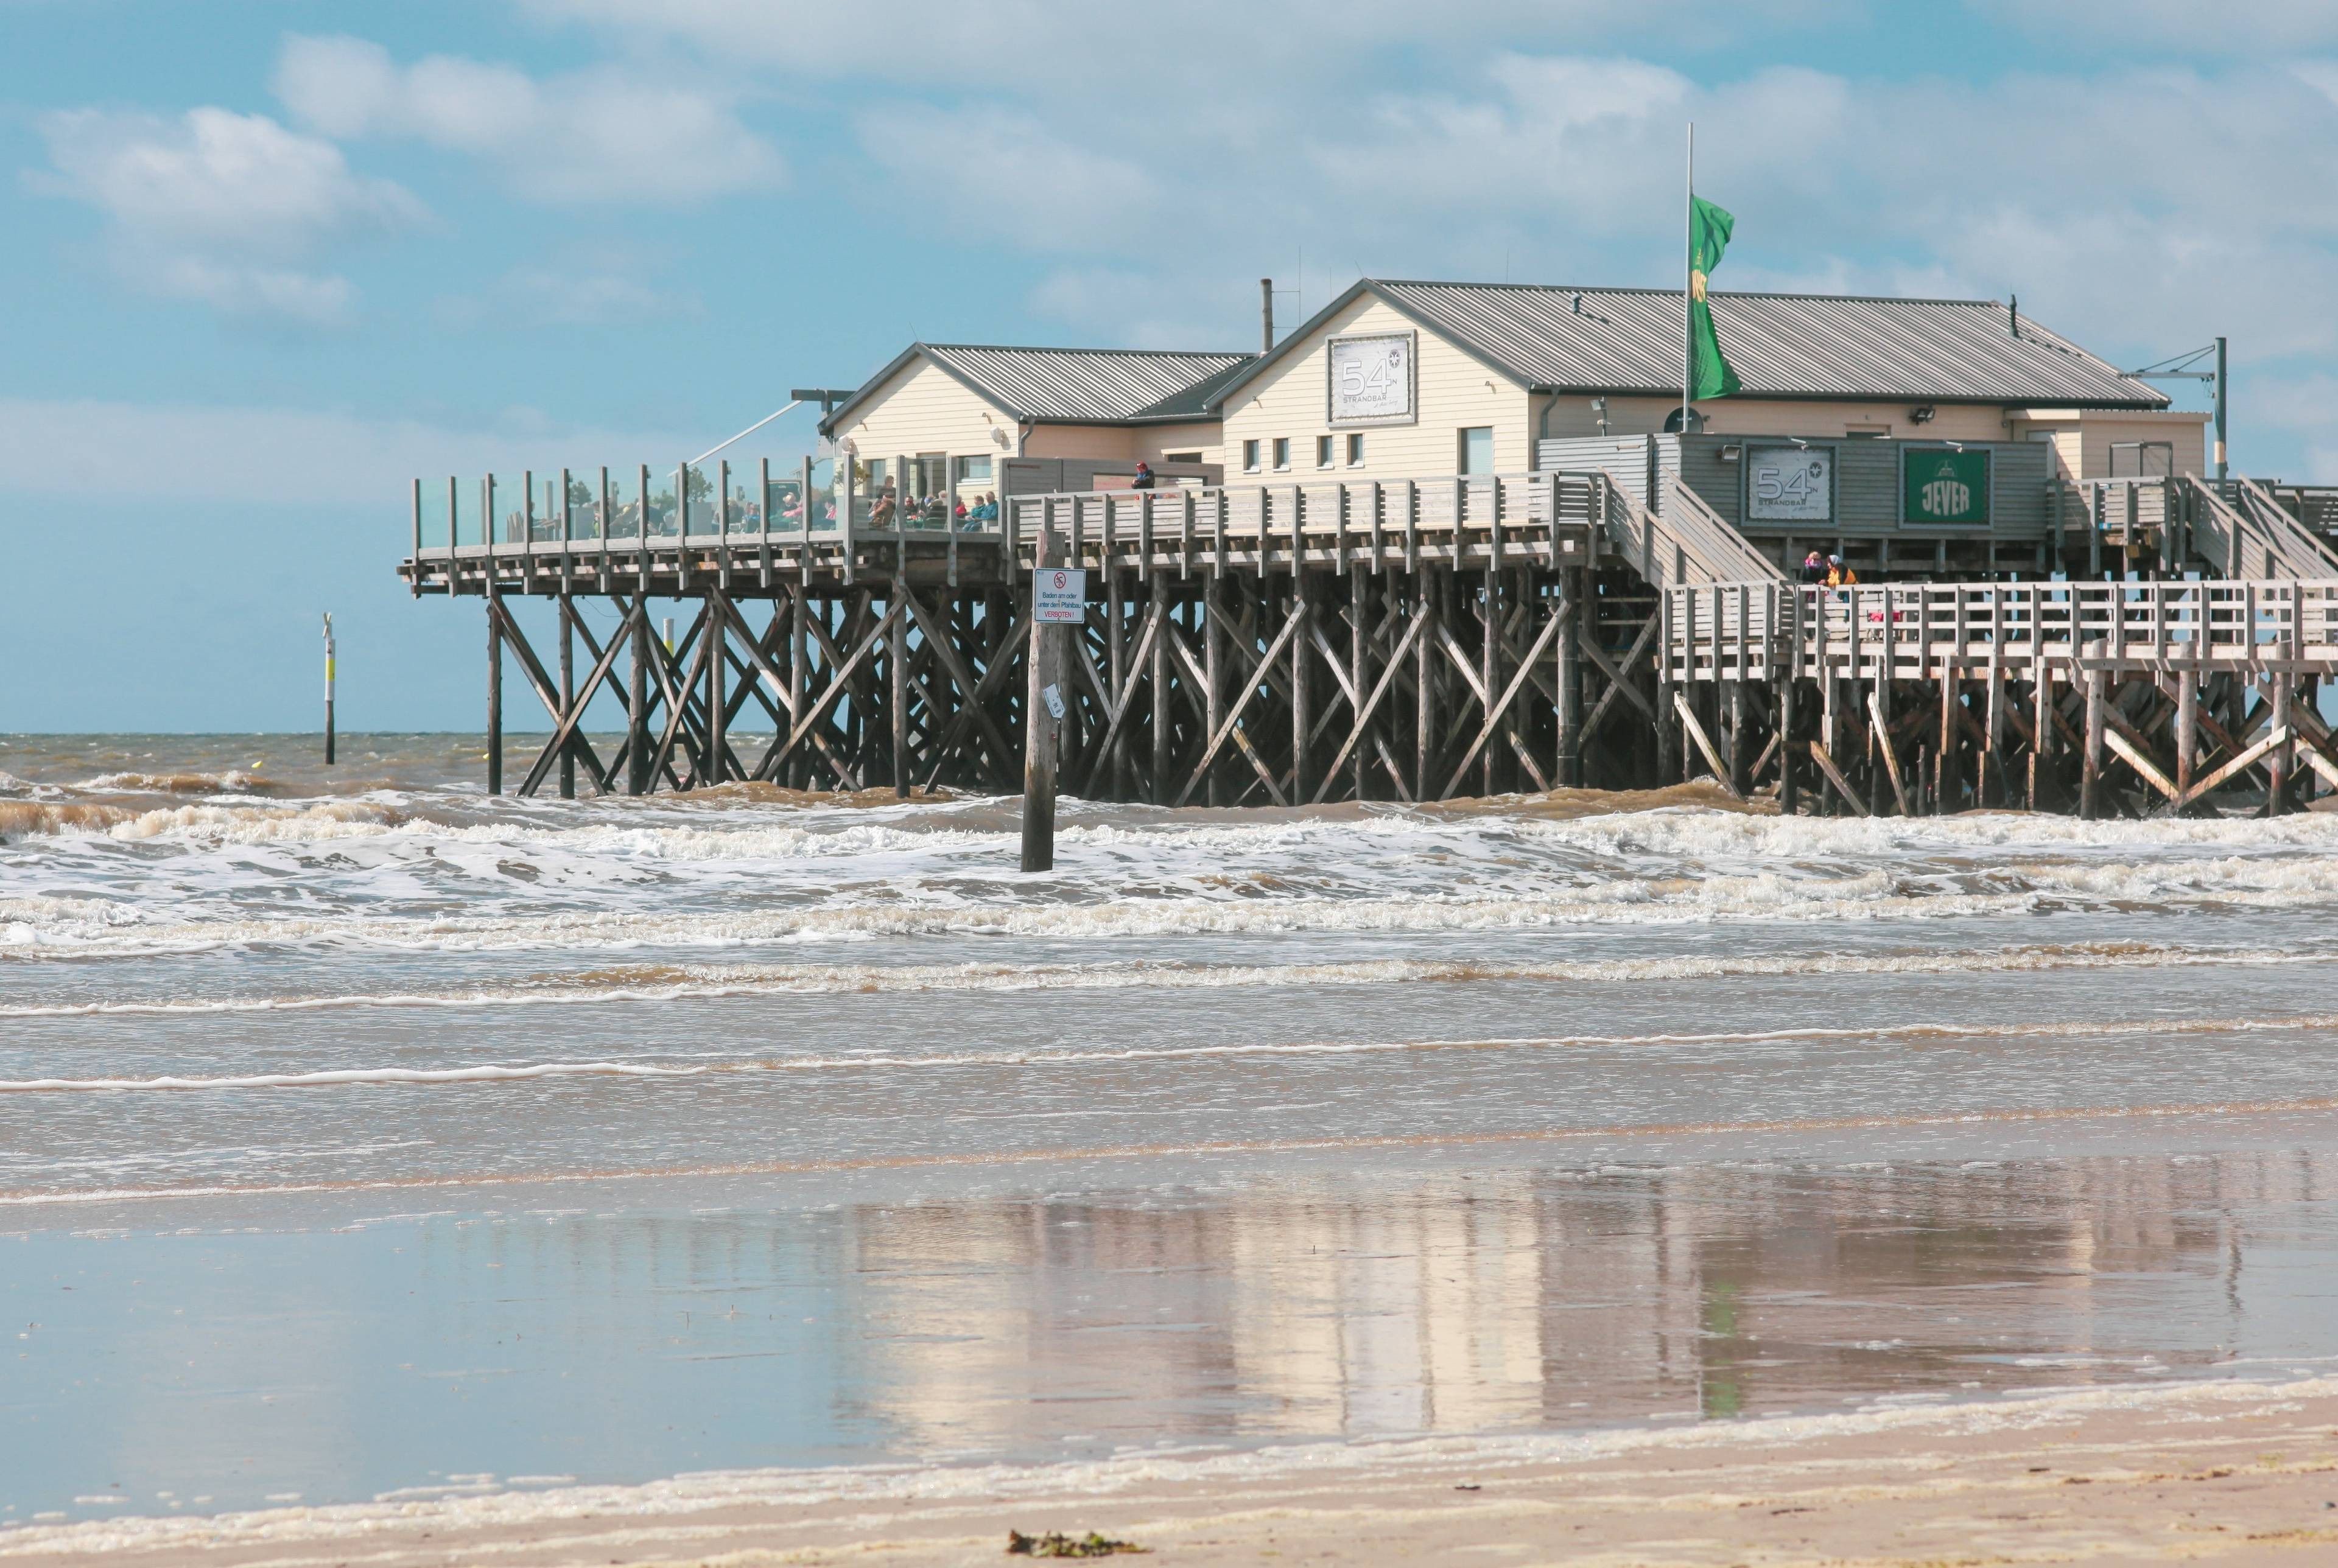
[972,470]
[1477,449]
[1355,449]
[1249,456]
[1281,454]
[1322,451]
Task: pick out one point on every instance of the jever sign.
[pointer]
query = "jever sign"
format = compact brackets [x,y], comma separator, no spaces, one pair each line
[1943,484]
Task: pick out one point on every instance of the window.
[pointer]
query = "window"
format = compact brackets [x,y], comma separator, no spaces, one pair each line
[1477,449]
[972,470]
[1281,454]
[1249,456]
[1180,457]
[1867,432]
[1322,451]
[1355,449]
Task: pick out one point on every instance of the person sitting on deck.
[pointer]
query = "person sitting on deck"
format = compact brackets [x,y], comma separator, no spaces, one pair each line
[1144,479]
[1815,568]
[881,515]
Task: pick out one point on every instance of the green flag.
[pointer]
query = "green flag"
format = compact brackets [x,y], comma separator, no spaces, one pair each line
[1709,375]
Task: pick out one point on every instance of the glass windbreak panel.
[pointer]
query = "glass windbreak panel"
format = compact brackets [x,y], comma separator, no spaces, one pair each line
[583,502]
[624,504]
[783,505]
[820,510]
[746,513]
[468,525]
[507,508]
[659,515]
[434,517]
[548,519]
[699,515]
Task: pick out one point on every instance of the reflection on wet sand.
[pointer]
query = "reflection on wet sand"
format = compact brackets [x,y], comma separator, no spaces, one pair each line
[1537,1300]
[614,1345]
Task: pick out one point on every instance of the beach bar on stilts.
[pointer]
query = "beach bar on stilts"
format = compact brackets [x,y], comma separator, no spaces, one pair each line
[1445,540]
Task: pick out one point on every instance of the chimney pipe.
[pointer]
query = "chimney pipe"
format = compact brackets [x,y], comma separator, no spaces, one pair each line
[1266,315]
[2013,314]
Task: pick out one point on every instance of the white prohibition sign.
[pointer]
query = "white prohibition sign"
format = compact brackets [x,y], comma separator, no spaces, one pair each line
[1059,595]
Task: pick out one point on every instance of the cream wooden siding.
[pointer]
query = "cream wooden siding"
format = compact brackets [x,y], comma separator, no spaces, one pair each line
[1156,442]
[2084,437]
[927,409]
[1455,392]
[1104,443]
[1571,414]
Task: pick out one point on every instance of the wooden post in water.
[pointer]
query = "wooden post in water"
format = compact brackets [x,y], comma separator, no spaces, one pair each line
[494,690]
[2090,776]
[567,688]
[637,702]
[897,675]
[1568,711]
[1044,665]
[2187,726]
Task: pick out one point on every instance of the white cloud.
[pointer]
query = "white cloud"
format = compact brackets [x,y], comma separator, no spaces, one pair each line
[221,208]
[593,136]
[1007,171]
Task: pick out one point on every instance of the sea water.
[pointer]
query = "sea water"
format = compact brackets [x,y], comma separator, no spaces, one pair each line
[362,1136]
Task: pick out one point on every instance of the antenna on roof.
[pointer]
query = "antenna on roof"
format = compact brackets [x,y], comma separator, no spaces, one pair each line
[2013,314]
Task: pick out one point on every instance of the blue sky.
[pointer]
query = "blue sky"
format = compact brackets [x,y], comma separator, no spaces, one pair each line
[266,259]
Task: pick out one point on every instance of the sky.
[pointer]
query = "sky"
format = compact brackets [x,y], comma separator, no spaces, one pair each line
[266,261]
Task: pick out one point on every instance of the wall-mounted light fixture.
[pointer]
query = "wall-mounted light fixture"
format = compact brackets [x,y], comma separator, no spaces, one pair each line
[1921,414]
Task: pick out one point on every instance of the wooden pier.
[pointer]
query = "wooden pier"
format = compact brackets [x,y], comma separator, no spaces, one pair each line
[1415,640]
[2129,697]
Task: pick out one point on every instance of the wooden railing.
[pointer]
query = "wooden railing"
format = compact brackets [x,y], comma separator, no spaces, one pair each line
[1490,519]
[1910,631]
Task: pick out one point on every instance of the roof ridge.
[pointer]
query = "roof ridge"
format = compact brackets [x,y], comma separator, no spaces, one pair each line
[1042,349]
[1724,293]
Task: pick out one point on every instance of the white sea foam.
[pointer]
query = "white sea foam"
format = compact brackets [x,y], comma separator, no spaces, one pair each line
[707,982]
[675,1511]
[948,1058]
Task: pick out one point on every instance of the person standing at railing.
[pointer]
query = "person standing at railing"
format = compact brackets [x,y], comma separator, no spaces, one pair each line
[1840,574]
[1144,479]
[1815,569]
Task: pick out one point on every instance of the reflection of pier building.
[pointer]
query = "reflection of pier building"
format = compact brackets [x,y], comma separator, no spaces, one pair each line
[1523,1300]
[1449,539]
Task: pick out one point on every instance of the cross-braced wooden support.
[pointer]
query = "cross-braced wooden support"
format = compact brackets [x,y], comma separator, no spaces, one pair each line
[1430,646]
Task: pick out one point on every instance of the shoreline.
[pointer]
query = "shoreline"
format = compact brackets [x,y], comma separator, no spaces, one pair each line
[2233,1470]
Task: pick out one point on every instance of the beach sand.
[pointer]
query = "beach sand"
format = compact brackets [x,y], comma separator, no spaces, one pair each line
[2223,1471]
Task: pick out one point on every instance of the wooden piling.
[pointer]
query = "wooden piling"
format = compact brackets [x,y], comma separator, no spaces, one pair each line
[494,691]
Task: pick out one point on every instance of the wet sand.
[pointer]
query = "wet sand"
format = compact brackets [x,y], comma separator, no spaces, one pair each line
[2227,1472]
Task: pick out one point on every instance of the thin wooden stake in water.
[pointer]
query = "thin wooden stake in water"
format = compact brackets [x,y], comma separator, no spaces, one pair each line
[329,690]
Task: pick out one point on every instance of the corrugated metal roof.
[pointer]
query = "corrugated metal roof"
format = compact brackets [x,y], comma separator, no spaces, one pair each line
[1781,345]
[1089,384]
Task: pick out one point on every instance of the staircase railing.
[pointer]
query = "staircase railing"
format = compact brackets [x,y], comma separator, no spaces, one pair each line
[1688,543]
[2252,537]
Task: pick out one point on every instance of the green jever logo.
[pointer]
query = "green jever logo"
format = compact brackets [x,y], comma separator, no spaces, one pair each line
[1945,486]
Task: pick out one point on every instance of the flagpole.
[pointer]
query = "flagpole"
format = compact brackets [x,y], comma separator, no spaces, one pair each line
[1688,281]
